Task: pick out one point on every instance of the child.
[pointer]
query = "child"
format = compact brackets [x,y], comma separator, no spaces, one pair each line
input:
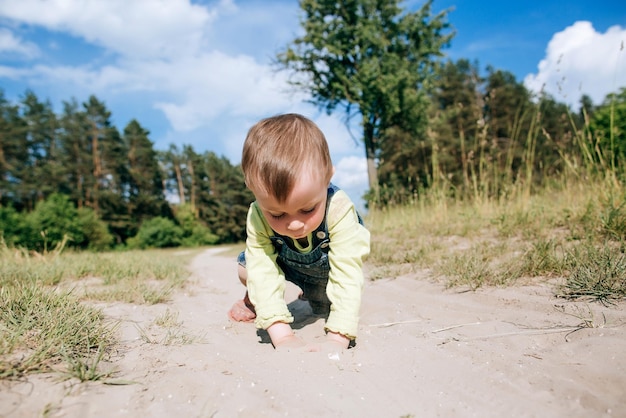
[301,228]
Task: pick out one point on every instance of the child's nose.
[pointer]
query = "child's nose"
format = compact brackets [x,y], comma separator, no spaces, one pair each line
[295,225]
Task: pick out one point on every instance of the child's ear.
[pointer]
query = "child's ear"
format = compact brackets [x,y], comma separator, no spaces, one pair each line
[333,173]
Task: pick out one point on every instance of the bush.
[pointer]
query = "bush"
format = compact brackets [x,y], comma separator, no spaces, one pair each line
[157,232]
[200,235]
[11,225]
[50,223]
[95,231]
[195,233]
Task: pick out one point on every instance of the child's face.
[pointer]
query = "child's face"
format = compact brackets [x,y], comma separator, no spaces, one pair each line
[301,213]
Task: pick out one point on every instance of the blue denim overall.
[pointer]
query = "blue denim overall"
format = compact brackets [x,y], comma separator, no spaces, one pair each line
[309,271]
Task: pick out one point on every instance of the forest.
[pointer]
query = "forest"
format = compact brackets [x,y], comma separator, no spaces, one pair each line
[72,179]
[75,179]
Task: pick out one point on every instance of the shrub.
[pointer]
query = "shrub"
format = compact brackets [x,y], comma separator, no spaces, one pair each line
[11,225]
[157,232]
[51,222]
[95,231]
[200,235]
[195,233]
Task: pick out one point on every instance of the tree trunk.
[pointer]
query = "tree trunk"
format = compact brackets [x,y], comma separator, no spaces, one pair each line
[463,155]
[3,164]
[79,177]
[370,155]
[372,173]
[192,198]
[179,180]
[97,167]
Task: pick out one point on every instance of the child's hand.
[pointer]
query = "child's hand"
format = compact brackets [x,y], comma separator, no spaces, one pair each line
[242,311]
[333,346]
[288,344]
[283,337]
[334,338]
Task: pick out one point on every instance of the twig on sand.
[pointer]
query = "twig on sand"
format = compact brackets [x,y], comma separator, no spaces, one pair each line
[540,331]
[412,321]
[453,327]
[529,331]
[390,324]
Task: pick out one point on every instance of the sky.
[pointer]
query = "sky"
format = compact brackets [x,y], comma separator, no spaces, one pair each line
[198,72]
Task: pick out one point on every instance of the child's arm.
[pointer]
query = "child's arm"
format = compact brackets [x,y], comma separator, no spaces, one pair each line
[265,282]
[349,244]
[283,337]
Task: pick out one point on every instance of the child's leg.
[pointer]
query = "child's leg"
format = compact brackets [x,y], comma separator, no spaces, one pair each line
[315,294]
[242,310]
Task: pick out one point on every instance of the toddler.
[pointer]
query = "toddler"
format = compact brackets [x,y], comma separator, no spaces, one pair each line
[300,228]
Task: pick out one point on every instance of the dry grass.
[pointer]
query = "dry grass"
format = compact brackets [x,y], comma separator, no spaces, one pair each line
[45,324]
[575,234]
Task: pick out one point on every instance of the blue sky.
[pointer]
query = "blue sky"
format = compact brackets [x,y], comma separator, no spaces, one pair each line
[198,73]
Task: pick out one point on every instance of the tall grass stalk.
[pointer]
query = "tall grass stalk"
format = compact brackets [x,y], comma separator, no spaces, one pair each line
[529,153]
[506,221]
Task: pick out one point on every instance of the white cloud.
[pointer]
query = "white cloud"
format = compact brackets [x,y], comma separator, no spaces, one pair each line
[10,72]
[580,61]
[158,46]
[137,28]
[94,81]
[351,172]
[12,44]
[351,176]
[339,139]
[213,85]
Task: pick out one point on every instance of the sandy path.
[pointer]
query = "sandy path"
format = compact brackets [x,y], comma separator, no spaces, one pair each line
[422,351]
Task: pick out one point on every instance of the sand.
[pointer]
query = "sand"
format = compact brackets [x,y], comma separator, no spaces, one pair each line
[422,351]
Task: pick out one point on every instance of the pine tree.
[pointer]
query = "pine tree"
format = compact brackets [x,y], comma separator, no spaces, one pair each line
[144,191]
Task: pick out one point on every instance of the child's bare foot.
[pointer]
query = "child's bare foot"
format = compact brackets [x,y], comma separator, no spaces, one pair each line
[242,311]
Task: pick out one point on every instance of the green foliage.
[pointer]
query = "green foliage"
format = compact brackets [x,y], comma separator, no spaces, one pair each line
[43,172]
[144,181]
[212,189]
[53,222]
[11,225]
[368,57]
[95,232]
[222,198]
[120,178]
[195,233]
[608,127]
[13,150]
[56,222]
[157,232]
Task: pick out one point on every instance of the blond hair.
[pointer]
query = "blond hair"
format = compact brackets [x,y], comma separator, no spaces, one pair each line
[278,149]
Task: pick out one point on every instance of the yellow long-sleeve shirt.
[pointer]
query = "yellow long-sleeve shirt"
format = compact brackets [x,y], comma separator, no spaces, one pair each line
[349,244]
